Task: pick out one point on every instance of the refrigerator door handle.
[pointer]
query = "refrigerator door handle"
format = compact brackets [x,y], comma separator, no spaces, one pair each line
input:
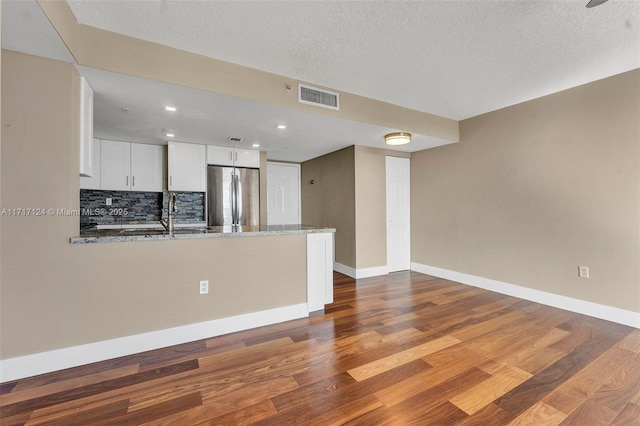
[238,199]
[232,199]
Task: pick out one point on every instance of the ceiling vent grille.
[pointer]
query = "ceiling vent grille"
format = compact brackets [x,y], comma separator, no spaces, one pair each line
[234,139]
[322,98]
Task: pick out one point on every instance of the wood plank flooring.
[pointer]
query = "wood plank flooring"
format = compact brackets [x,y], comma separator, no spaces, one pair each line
[404,349]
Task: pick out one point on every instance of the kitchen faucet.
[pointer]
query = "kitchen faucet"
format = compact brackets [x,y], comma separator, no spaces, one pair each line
[172,208]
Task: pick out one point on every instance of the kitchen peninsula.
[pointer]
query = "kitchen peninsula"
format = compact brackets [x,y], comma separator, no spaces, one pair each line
[70,304]
[185,233]
[145,288]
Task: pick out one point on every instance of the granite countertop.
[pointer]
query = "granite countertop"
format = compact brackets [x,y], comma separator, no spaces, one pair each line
[135,234]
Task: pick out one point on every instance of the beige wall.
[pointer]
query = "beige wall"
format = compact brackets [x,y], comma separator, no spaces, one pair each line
[330,201]
[115,52]
[349,194]
[1,205]
[371,205]
[55,294]
[534,190]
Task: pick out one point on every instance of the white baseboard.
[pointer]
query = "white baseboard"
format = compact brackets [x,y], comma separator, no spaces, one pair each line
[362,272]
[343,269]
[609,313]
[45,362]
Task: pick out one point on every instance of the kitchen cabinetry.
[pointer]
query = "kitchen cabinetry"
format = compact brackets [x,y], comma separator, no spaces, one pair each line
[147,167]
[115,159]
[187,167]
[225,156]
[129,166]
[93,182]
[319,270]
[87,165]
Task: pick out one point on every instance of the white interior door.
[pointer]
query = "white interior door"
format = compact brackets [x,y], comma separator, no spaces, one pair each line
[398,177]
[283,194]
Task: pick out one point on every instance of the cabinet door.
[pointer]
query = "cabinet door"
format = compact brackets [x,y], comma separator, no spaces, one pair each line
[219,155]
[319,270]
[93,182]
[87,166]
[115,165]
[147,166]
[246,158]
[187,167]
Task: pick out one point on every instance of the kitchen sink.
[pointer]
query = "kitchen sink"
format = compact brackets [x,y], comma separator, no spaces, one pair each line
[190,231]
[139,231]
[156,231]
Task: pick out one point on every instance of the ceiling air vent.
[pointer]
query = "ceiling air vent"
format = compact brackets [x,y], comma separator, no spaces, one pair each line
[313,96]
[234,139]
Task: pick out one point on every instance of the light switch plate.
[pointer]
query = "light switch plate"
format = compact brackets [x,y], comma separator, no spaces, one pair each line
[108,201]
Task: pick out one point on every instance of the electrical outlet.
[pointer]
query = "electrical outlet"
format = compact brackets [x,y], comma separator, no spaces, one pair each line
[583,271]
[108,201]
[204,287]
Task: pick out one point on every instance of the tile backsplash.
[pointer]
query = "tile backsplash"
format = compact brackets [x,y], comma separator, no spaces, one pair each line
[130,207]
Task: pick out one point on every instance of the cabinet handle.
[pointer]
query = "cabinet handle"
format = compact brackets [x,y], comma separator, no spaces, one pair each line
[230,156]
[133,181]
[127,184]
[236,159]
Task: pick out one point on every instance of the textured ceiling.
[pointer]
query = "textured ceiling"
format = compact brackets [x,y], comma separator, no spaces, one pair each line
[456,59]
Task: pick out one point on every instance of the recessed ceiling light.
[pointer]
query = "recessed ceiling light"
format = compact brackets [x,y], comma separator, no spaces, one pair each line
[170,108]
[256,145]
[170,135]
[281,126]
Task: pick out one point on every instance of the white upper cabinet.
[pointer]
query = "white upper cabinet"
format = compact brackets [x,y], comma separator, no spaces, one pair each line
[115,159]
[246,158]
[87,166]
[131,166]
[147,167]
[93,182]
[187,167]
[219,155]
[225,156]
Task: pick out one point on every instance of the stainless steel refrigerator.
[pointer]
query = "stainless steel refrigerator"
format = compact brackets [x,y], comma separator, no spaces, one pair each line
[233,196]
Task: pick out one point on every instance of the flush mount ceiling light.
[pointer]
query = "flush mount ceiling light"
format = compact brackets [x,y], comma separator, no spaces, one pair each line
[397,138]
[170,108]
[281,126]
[594,3]
[256,145]
[169,133]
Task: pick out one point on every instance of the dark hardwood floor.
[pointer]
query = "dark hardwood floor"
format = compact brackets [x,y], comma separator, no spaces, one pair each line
[404,349]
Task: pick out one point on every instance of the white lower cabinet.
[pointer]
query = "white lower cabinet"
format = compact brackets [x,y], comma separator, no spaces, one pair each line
[187,167]
[319,270]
